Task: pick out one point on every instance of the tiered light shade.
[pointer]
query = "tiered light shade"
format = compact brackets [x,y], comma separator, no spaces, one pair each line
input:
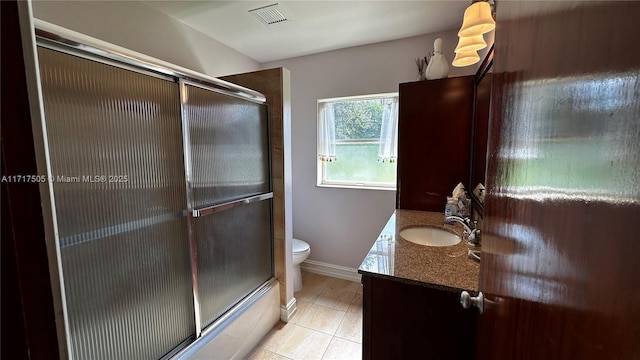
[477,20]
[470,43]
[465,58]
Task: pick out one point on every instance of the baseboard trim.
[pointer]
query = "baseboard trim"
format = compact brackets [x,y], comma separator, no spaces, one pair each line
[326,269]
[287,311]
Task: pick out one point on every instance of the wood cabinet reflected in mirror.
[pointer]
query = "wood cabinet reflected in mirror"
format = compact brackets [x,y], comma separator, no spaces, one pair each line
[480,128]
[431,163]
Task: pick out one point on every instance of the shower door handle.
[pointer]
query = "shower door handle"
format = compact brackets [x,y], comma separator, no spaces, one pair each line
[230,205]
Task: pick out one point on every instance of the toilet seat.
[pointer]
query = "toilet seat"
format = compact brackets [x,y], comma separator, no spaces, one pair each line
[300,246]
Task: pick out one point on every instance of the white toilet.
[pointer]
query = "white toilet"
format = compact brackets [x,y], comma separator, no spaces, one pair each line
[301,251]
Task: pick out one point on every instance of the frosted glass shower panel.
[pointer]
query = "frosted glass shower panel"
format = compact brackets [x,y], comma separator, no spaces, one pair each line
[121,304]
[234,256]
[229,146]
[117,166]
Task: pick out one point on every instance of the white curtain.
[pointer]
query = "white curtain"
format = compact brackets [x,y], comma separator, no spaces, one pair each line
[326,133]
[388,150]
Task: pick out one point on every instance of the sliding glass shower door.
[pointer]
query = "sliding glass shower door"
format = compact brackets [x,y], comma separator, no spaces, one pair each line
[163,201]
[230,196]
[117,169]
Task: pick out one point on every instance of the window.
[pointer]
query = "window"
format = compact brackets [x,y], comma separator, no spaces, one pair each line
[357,141]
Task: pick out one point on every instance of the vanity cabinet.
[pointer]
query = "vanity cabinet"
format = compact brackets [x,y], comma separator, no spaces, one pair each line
[434,132]
[410,321]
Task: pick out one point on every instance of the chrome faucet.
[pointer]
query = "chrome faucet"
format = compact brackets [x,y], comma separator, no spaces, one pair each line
[470,229]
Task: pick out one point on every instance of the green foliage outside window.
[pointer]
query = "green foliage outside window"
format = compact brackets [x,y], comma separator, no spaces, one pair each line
[358,119]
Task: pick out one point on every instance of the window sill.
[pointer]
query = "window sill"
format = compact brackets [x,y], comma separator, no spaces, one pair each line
[358,187]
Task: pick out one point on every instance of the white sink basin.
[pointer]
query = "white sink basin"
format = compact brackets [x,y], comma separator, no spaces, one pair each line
[429,236]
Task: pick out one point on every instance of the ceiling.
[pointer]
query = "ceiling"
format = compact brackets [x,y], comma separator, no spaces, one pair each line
[313,26]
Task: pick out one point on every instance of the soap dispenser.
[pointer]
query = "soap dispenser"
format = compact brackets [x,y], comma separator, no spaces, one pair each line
[438,67]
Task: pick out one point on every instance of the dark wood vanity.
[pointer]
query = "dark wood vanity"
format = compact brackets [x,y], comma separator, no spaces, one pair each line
[415,322]
[411,293]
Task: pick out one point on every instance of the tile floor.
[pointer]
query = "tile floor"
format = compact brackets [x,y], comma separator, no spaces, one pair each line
[327,325]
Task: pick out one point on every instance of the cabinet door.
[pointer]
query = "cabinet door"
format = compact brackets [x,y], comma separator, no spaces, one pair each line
[434,133]
[403,321]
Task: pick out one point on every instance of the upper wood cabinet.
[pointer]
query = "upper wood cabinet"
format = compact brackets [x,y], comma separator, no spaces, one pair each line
[434,132]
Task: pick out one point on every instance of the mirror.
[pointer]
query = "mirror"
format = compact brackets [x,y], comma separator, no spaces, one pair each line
[480,128]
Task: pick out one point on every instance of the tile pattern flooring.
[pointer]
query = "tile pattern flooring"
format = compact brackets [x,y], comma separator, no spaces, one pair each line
[327,325]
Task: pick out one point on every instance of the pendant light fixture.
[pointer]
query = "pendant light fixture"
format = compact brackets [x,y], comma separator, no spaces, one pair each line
[465,58]
[470,43]
[477,21]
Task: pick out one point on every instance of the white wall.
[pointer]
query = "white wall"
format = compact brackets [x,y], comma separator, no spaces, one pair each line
[342,224]
[138,27]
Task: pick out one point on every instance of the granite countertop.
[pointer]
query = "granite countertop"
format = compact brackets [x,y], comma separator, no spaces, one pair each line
[446,267]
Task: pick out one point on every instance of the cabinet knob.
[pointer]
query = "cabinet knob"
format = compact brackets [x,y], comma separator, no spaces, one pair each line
[469,301]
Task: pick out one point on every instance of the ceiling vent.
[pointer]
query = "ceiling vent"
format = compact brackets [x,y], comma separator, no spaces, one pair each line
[270,14]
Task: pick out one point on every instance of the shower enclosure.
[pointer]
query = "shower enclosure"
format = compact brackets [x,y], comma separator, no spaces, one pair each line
[162,199]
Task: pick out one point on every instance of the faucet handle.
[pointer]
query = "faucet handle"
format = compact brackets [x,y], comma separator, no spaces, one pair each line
[467,221]
[473,239]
